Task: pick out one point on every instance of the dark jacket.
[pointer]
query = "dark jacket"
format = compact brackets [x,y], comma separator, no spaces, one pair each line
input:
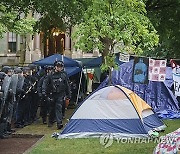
[39,85]
[56,83]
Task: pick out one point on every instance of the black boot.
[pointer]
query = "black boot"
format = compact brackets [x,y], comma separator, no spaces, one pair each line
[50,124]
[59,126]
[44,120]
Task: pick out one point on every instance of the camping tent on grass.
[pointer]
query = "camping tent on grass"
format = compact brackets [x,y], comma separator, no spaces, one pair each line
[114,110]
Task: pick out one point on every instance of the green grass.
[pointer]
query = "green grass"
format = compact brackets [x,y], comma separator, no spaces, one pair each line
[50,145]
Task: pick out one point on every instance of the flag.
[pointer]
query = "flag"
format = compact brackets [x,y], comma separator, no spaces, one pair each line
[140,70]
[157,70]
[89,81]
[124,57]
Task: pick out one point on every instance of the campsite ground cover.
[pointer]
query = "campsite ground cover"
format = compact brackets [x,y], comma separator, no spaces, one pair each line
[50,145]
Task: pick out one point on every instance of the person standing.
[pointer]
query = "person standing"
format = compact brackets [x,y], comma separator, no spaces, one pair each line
[4,104]
[58,82]
[43,101]
[23,107]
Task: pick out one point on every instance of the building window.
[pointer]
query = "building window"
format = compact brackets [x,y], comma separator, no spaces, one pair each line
[12,39]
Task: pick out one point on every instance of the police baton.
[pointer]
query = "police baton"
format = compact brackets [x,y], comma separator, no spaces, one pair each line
[30,88]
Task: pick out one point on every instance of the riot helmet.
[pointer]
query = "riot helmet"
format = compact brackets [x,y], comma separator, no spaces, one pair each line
[7,69]
[48,68]
[33,67]
[18,70]
[59,63]
[26,70]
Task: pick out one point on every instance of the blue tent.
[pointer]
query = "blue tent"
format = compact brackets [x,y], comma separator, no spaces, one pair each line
[72,70]
[68,62]
[71,66]
[157,94]
[113,110]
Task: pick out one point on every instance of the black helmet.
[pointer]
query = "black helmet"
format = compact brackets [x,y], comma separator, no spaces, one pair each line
[26,69]
[33,67]
[59,63]
[48,67]
[18,70]
[7,69]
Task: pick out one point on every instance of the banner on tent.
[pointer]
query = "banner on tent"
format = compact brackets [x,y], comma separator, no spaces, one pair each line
[140,70]
[157,70]
[124,57]
[176,77]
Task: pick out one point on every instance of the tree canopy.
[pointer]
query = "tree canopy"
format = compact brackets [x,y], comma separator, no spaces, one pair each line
[9,21]
[52,13]
[164,14]
[102,23]
[108,22]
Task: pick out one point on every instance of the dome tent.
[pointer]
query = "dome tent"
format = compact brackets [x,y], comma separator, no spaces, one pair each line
[114,110]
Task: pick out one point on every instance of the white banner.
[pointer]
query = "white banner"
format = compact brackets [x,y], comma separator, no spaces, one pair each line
[124,57]
[176,78]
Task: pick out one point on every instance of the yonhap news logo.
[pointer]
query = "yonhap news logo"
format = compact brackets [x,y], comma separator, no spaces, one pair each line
[107,140]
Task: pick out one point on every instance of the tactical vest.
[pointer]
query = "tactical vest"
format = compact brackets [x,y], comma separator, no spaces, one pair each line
[58,83]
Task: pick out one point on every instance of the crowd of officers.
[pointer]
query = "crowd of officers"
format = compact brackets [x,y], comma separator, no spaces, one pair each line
[23,90]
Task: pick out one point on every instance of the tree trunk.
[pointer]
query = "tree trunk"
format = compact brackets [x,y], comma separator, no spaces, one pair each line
[110,76]
[107,43]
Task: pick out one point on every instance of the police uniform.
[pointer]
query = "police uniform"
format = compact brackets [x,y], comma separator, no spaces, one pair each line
[43,101]
[60,88]
[2,125]
[23,107]
[5,104]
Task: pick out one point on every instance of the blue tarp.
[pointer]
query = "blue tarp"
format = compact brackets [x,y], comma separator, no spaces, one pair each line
[72,70]
[71,66]
[157,94]
[90,62]
[68,62]
[96,62]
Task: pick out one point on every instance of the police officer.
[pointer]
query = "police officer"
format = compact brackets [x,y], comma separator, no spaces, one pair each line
[2,76]
[5,126]
[3,133]
[44,102]
[60,88]
[23,107]
[34,103]
[20,81]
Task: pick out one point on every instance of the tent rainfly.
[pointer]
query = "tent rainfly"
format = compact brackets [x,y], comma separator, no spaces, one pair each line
[71,66]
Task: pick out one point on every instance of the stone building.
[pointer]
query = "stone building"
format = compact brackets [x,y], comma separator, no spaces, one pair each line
[16,49]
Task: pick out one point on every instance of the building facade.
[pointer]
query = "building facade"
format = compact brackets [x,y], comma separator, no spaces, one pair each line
[21,49]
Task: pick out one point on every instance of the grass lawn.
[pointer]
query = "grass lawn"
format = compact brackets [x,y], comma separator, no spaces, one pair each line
[50,145]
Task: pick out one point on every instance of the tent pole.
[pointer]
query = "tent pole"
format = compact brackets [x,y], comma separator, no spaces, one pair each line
[63,61]
[62,58]
[79,87]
